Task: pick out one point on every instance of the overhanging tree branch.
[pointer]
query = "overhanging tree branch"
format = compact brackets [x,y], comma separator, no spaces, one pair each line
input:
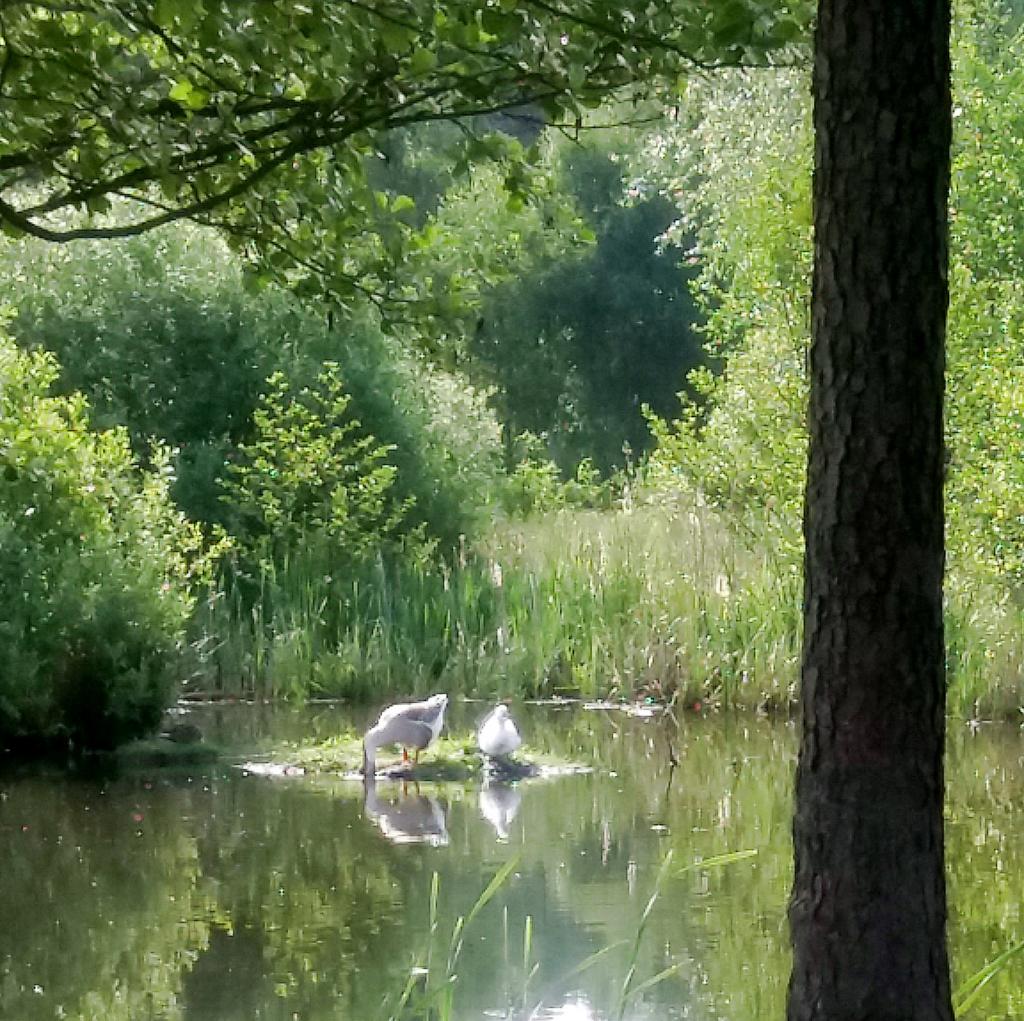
[188,110]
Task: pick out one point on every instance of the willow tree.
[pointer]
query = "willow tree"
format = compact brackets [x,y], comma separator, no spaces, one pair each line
[868,912]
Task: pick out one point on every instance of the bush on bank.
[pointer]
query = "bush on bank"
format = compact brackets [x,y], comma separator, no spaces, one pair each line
[96,570]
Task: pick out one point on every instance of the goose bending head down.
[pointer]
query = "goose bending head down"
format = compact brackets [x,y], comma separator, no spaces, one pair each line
[498,735]
[410,724]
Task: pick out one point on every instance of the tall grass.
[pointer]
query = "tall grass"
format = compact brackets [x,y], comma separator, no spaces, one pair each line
[659,601]
[594,604]
[985,649]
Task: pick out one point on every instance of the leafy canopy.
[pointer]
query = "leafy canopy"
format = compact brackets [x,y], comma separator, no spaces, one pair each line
[253,113]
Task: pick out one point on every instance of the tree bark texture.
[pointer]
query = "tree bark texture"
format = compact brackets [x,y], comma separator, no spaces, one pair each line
[868,911]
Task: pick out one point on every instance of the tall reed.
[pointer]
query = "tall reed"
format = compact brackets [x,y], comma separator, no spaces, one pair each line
[659,601]
[588,603]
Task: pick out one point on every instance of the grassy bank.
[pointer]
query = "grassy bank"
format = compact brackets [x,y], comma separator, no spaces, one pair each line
[655,601]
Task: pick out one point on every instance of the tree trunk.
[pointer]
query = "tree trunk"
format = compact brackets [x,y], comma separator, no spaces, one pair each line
[868,912]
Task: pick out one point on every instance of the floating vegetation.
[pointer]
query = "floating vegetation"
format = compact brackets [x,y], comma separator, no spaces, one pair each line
[163,751]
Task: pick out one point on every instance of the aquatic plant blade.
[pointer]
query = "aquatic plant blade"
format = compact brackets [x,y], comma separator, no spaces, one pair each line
[589,962]
[654,980]
[970,989]
[627,982]
[718,860]
[492,887]
[578,969]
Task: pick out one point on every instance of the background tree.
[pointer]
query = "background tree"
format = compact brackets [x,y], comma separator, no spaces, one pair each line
[868,913]
[580,341]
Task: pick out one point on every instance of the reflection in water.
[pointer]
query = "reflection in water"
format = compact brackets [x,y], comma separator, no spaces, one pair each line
[576,1009]
[406,818]
[215,896]
[499,805]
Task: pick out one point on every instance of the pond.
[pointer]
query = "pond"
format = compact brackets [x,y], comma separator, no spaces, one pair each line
[209,894]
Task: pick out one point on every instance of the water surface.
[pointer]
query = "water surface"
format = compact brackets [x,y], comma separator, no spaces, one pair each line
[212,895]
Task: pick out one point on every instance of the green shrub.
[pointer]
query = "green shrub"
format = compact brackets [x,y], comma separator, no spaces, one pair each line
[95,570]
[310,469]
[446,442]
[534,487]
[163,336]
[535,484]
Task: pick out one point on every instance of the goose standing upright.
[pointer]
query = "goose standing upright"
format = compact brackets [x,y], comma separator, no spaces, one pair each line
[498,736]
[410,724]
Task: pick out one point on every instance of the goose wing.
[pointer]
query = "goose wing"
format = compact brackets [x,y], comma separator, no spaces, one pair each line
[401,730]
[416,712]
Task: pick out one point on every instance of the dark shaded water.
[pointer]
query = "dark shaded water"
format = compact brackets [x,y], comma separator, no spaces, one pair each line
[210,895]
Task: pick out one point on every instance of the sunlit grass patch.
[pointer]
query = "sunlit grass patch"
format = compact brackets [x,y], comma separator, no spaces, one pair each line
[659,601]
[650,602]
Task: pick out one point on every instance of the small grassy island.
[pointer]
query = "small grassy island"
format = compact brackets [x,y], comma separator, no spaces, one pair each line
[452,758]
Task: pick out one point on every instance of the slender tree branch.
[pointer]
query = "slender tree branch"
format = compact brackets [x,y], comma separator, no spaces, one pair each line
[244,184]
[651,41]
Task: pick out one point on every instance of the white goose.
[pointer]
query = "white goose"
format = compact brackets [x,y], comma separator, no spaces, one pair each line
[410,724]
[498,736]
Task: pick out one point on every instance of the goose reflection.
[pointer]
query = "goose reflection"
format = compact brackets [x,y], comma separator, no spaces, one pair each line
[406,818]
[499,805]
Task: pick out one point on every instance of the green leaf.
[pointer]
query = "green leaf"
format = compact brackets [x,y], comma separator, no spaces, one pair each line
[181,91]
[197,99]
[422,61]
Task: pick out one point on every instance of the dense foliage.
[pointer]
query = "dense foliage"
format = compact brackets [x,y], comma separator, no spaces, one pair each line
[253,113]
[986,316]
[574,344]
[96,570]
[164,337]
[745,452]
[373,470]
[739,166]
